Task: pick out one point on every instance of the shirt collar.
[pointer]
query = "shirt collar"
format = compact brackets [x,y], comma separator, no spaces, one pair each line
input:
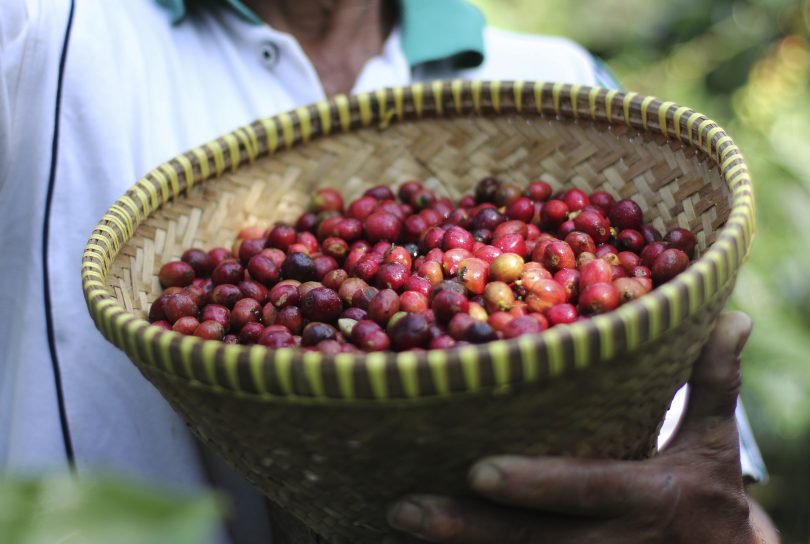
[432,30]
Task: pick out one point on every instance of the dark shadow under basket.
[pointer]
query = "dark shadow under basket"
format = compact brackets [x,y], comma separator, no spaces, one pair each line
[334,439]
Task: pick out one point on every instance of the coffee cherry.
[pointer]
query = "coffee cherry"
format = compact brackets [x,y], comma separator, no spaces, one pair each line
[291,318]
[480,332]
[595,271]
[629,289]
[628,260]
[363,297]
[553,214]
[485,190]
[178,306]
[575,199]
[315,333]
[413,302]
[457,327]
[520,326]
[679,238]
[262,269]
[562,313]
[245,311]
[498,296]
[580,242]
[326,200]
[457,237]
[367,266]
[176,274]
[598,298]
[521,209]
[306,221]
[558,255]
[473,274]
[651,252]
[382,226]
[249,334]
[354,313]
[566,228]
[253,289]
[418,284]
[545,294]
[383,306]
[228,271]
[226,294]
[539,190]
[447,303]
[398,254]
[392,275]
[506,267]
[284,294]
[422,198]
[209,330]
[608,252]
[321,304]
[630,240]
[200,261]
[407,189]
[486,218]
[281,236]
[217,313]
[276,338]
[626,214]
[511,243]
[603,201]
[186,325]
[669,264]
[594,225]
[512,226]
[650,233]
[380,192]
[248,248]
[569,279]
[640,272]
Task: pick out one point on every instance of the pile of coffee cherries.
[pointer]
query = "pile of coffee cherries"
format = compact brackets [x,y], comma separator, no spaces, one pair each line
[420,272]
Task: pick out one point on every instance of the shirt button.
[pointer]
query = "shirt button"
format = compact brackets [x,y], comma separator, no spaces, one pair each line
[270,54]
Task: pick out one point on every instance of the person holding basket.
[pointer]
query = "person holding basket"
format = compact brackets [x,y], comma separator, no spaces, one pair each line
[94,93]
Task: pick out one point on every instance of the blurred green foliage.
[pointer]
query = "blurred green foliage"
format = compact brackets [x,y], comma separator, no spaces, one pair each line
[98,510]
[745,64]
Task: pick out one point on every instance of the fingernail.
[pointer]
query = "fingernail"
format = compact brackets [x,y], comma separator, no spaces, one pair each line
[746,327]
[486,477]
[406,516]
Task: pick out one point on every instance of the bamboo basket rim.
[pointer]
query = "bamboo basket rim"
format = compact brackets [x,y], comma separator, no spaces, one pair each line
[291,375]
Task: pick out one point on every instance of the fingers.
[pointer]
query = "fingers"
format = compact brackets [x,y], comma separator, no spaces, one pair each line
[441,519]
[715,382]
[581,487]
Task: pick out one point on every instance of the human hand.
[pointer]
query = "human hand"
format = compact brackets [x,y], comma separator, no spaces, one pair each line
[690,492]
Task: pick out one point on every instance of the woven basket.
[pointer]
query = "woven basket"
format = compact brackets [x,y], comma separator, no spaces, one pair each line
[333,440]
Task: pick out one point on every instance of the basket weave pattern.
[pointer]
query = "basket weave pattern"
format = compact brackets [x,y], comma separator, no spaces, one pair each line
[333,439]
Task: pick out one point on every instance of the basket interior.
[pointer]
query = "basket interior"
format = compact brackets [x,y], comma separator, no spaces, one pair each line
[675,185]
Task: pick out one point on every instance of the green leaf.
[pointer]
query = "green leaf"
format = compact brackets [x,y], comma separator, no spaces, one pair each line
[60,508]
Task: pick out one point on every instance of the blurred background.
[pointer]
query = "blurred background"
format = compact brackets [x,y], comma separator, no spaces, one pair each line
[745,64]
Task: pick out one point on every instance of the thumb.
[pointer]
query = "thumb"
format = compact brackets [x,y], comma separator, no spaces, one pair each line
[716,379]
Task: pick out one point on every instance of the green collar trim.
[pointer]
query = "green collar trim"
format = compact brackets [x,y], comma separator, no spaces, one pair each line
[177,10]
[437,30]
[432,30]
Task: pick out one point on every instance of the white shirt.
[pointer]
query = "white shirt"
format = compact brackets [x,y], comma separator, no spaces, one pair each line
[133,92]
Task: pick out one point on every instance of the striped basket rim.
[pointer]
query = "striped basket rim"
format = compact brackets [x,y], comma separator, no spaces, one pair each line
[290,375]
